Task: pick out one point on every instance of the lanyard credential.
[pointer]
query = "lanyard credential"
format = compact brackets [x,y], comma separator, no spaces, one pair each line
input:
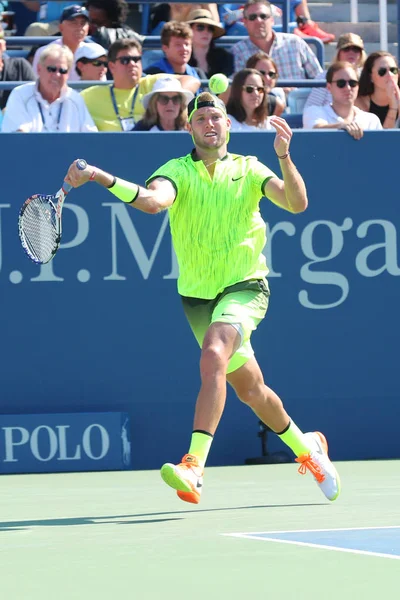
[124,121]
[42,117]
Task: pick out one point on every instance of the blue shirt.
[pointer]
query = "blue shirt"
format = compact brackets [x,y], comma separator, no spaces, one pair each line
[163,66]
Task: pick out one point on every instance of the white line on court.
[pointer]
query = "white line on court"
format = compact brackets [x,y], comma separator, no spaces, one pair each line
[256,536]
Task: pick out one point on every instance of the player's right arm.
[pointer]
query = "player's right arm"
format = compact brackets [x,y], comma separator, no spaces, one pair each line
[157,197]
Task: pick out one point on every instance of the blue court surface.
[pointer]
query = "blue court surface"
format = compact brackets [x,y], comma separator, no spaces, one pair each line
[375,541]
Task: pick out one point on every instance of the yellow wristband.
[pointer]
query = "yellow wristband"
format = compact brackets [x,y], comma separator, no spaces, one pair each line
[125,190]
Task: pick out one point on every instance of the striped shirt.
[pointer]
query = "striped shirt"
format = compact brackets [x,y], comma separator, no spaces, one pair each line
[293,56]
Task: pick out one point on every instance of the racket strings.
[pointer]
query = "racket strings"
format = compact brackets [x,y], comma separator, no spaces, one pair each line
[38,228]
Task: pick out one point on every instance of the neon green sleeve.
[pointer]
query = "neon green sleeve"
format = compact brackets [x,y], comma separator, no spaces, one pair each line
[124,190]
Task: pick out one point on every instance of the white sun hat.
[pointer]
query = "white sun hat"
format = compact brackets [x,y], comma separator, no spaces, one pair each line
[167,84]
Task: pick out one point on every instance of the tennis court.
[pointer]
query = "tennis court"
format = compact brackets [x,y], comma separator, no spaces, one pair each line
[259,532]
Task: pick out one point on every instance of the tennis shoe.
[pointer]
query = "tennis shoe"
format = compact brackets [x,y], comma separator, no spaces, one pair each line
[311,29]
[318,463]
[186,478]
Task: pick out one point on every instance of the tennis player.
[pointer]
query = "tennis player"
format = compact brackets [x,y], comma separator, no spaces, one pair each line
[218,234]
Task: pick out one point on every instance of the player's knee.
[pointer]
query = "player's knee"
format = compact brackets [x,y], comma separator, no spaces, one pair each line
[213,359]
[253,395]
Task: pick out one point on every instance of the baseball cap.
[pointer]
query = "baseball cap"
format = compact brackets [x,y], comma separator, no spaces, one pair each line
[70,12]
[91,51]
[198,103]
[350,39]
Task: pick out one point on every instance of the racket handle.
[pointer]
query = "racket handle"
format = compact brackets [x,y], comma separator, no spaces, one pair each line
[81,165]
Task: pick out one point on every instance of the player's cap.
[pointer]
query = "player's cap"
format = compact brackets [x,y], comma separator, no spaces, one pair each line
[201,102]
[349,39]
[70,12]
[167,84]
[91,51]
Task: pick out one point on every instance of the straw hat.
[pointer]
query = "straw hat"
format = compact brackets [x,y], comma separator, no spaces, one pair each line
[203,16]
[167,84]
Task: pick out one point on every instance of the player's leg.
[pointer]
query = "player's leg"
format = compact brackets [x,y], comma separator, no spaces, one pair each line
[219,344]
[310,449]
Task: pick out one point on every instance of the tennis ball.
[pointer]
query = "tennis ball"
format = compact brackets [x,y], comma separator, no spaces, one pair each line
[218,83]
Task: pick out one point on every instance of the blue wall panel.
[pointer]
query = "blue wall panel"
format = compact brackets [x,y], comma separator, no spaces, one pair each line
[101,327]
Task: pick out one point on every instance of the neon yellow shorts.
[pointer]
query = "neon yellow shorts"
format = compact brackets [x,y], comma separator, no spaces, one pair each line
[243,305]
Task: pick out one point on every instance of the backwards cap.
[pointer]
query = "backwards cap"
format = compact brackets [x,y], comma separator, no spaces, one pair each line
[196,104]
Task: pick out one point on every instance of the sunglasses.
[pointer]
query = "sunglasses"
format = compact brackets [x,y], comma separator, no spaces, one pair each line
[95,62]
[201,27]
[341,83]
[271,74]
[164,100]
[351,49]
[60,70]
[252,88]
[126,60]
[383,70]
[254,16]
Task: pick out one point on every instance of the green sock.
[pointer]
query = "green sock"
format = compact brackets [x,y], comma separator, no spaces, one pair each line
[294,438]
[200,445]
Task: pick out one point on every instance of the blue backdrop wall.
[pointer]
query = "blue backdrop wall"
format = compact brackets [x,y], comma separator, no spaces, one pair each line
[101,327]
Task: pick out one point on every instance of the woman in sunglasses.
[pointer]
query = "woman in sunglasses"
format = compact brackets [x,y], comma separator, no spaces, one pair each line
[247,106]
[263,63]
[206,57]
[166,107]
[379,88]
[342,82]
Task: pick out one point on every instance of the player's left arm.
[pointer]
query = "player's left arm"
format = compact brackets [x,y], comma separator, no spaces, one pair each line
[290,192]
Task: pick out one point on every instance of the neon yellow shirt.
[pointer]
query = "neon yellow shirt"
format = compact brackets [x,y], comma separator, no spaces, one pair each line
[99,103]
[216,226]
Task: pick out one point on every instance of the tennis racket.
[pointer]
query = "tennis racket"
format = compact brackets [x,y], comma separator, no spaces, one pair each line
[39,223]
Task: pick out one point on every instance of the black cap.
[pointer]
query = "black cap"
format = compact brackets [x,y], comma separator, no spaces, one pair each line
[195,104]
[70,12]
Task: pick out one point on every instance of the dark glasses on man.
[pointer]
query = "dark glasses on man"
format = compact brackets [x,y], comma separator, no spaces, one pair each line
[60,70]
[126,60]
[201,27]
[383,70]
[249,89]
[341,83]
[95,62]
[271,74]
[164,100]
[351,49]
[254,16]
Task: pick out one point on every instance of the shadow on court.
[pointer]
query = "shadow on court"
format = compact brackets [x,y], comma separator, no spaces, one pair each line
[138,518]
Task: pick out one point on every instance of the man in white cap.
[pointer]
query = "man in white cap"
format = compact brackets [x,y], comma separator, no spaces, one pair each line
[74,27]
[91,62]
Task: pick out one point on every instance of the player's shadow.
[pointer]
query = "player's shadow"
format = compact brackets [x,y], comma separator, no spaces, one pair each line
[138,519]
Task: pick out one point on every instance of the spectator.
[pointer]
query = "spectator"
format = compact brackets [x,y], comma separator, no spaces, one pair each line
[205,55]
[166,107]
[48,17]
[12,69]
[248,106]
[232,18]
[48,104]
[74,27]
[292,55]
[269,72]
[350,48]
[176,43]
[162,13]
[342,82]
[107,21]
[118,107]
[379,88]
[91,62]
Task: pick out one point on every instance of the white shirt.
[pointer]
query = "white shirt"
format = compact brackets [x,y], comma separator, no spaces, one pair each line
[73,75]
[237,126]
[325,115]
[26,109]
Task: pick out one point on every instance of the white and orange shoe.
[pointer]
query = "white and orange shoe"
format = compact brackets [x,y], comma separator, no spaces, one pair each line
[318,463]
[186,478]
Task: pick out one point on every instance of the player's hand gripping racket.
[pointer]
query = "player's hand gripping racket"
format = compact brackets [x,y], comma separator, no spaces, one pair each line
[39,223]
